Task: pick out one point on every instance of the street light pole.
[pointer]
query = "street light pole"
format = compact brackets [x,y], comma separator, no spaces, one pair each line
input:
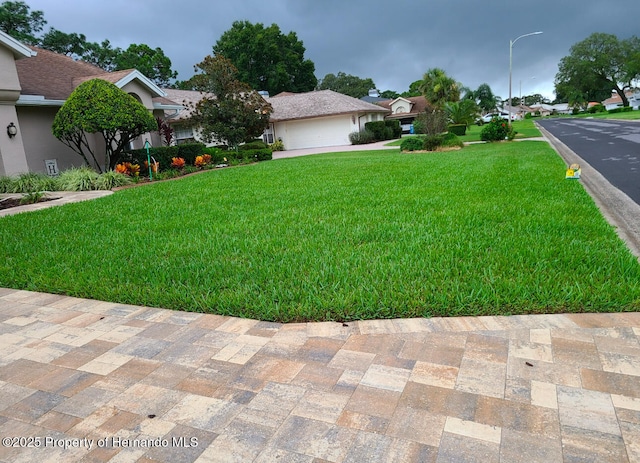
[511,42]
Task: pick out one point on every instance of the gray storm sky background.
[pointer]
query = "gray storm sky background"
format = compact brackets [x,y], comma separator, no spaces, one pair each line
[392,41]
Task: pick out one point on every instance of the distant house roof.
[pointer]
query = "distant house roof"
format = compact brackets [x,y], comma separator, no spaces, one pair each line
[418,105]
[290,106]
[48,78]
[187,99]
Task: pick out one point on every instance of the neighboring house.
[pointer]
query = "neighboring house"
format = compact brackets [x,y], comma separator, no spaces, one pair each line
[34,84]
[183,131]
[616,102]
[405,110]
[319,118]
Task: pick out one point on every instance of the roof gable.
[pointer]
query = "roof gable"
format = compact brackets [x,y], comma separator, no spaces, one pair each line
[18,49]
[418,104]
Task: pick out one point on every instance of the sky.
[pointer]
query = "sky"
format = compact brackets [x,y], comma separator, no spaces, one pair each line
[393,42]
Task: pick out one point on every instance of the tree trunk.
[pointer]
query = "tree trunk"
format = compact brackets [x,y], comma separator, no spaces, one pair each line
[625,100]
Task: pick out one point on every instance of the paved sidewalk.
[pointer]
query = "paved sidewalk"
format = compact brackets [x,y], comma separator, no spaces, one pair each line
[118,381]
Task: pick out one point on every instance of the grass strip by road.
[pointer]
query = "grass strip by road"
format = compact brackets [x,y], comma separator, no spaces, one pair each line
[524,128]
[491,229]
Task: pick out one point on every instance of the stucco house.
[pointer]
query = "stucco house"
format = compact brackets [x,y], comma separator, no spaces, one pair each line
[301,120]
[319,118]
[616,102]
[405,110]
[34,84]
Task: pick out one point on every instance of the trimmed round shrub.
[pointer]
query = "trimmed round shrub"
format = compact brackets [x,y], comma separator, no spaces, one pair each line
[451,140]
[412,144]
[433,142]
[458,129]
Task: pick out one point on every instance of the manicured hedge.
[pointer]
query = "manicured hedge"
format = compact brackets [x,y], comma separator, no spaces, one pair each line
[164,154]
[458,129]
[384,130]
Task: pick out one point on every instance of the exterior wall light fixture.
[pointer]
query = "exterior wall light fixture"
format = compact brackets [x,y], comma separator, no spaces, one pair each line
[12,130]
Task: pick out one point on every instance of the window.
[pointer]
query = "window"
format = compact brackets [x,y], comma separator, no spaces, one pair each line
[183,134]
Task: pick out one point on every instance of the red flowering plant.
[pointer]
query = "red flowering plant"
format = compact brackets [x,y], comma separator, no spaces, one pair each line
[132,170]
[155,166]
[177,163]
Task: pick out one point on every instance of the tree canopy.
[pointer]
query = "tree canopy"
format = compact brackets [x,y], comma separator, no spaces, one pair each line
[151,62]
[230,112]
[17,20]
[98,106]
[598,65]
[438,88]
[346,84]
[267,59]
[484,98]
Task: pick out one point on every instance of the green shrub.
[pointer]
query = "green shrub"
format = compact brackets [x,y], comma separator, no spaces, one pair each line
[277,145]
[431,122]
[217,155]
[597,108]
[253,145]
[162,155]
[624,109]
[458,129]
[110,180]
[451,140]
[377,128]
[32,197]
[33,181]
[362,137]
[496,130]
[189,151]
[6,184]
[396,128]
[433,142]
[412,144]
[78,179]
[528,116]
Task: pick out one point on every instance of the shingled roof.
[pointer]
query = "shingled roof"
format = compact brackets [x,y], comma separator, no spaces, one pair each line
[320,103]
[54,76]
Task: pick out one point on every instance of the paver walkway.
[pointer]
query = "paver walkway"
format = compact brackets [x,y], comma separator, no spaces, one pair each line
[124,383]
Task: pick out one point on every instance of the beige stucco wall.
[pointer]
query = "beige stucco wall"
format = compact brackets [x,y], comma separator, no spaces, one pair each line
[12,157]
[40,144]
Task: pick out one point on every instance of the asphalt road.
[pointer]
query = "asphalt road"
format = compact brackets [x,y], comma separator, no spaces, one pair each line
[611,147]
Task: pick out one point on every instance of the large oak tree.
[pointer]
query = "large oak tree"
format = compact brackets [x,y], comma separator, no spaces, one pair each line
[347,84]
[267,59]
[598,65]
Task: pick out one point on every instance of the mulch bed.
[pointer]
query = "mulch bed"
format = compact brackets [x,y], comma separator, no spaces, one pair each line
[15,202]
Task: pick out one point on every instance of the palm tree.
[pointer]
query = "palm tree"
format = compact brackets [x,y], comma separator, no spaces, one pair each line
[462,112]
[438,88]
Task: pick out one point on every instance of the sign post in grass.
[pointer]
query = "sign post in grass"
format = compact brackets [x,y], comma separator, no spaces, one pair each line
[147,145]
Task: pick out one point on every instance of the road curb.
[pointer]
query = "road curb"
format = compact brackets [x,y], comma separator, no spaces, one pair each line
[617,207]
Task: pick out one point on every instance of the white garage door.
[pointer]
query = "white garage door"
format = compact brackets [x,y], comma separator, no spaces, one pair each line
[315,133]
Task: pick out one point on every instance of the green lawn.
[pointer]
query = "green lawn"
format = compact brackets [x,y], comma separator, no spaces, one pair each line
[524,128]
[490,229]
